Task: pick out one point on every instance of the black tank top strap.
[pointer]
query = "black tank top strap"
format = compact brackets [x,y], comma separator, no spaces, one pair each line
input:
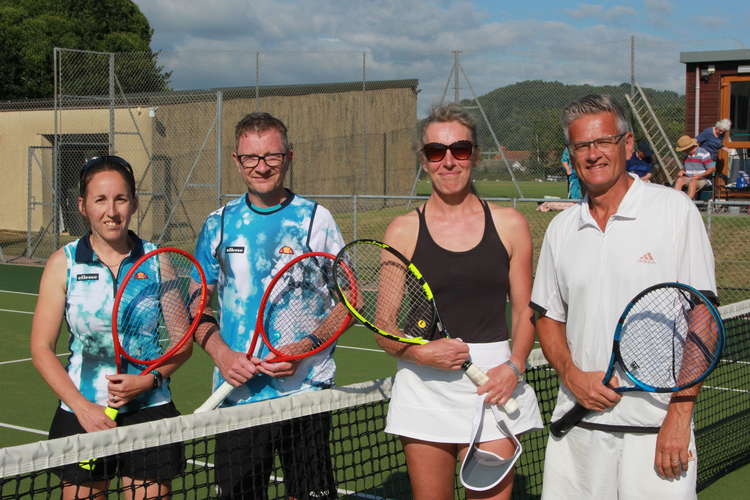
[471,286]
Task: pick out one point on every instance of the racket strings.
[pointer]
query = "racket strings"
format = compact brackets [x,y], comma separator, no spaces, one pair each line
[159,301]
[669,339]
[391,297]
[302,312]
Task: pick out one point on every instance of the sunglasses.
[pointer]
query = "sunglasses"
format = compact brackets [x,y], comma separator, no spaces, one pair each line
[435,151]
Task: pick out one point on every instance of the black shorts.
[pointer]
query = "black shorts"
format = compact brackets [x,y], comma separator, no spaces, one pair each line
[244,459]
[159,464]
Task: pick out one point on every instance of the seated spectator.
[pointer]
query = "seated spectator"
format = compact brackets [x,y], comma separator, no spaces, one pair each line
[641,162]
[698,166]
[712,138]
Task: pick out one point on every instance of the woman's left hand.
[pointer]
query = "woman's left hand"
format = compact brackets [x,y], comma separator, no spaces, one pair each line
[124,388]
[499,388]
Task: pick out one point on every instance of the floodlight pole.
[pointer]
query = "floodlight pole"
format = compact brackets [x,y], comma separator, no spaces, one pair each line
[454,75]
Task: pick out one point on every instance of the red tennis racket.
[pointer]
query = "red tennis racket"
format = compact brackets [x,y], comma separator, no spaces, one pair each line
[299,315]
[157,308]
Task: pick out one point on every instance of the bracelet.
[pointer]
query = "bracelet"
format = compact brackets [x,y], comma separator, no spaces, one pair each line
[519,375]
[316,341]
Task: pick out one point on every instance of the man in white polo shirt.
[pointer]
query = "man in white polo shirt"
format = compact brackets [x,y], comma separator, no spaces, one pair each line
[624,236]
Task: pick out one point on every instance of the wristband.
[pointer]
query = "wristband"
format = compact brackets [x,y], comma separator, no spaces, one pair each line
[207,318]
[158,379]
[519,375]
[316,341]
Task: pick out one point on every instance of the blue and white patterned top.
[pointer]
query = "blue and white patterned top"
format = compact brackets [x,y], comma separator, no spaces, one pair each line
[90,295]
[241,247]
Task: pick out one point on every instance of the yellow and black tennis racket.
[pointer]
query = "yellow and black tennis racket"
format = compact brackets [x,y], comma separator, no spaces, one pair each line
[393,299]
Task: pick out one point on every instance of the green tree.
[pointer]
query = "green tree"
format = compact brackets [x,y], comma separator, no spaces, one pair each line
[30,29]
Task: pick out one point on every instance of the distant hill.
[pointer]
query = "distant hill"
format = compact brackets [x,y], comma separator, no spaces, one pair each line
[526,115]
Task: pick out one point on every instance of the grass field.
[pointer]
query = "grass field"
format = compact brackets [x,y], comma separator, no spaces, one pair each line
[29,403]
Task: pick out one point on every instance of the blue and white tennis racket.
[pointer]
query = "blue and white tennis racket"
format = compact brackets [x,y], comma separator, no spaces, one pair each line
[668,338]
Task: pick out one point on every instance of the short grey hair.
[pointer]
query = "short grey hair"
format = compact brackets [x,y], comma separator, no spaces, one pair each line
[449,113]
[724,124]
[592,104]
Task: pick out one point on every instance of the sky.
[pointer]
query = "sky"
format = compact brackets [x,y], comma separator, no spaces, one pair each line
[501,42]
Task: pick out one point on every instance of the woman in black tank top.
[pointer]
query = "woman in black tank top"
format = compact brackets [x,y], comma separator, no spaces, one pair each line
[474,256]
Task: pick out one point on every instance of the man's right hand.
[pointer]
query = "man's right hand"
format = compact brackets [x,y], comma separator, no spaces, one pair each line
[589,391]
[235,367]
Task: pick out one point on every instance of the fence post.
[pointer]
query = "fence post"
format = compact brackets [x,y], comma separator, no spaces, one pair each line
[219,110]
[112,103]
[354,216]
[28,203]
[709,217]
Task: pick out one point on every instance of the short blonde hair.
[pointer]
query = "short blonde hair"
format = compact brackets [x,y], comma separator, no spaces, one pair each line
[449,113]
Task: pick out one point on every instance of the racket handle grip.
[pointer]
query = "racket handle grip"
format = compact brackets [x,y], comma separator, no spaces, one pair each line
[89,464]
[478,376]
[568,421]
[216,398]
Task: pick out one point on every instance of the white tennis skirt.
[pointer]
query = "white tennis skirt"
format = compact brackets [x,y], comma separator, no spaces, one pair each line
[439,405]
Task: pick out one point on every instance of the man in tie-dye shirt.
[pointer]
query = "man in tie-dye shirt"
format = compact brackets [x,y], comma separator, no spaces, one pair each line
[241,246]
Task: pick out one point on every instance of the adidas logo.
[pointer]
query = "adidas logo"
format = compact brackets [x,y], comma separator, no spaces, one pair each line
[647,258]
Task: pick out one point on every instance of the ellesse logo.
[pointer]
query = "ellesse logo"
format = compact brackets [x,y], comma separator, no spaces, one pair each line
[140,275]
[286,250]
[87,277]
[235,250]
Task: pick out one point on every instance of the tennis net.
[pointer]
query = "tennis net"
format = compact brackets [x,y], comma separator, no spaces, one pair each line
[366,462]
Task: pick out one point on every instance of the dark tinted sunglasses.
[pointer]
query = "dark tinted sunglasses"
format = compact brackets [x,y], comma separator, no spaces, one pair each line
[435,151]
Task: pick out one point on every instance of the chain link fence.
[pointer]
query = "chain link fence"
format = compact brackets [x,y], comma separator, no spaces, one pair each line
[352,121]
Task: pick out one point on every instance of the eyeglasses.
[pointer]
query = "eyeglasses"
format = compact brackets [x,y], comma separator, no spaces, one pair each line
[273,160]
[602,143]
[435,151]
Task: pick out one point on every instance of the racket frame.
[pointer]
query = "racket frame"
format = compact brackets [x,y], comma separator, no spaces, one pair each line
[571,418]
[617,355]
[187,336]
[260,331]
[218,396]
[340,261]
[475,374]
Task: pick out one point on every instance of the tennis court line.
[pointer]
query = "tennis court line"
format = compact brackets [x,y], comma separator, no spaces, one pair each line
[25,429]
[16,312]
[19,293]
[729,389]
[339,346]
[29,359]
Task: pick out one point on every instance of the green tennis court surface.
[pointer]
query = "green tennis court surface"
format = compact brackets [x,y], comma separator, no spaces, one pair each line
[29,403]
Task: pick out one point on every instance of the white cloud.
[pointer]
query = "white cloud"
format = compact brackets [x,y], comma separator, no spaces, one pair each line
[600,12]
[313,42]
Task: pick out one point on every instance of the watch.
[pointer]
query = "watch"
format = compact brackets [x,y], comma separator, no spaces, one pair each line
[158,379]
[519,375]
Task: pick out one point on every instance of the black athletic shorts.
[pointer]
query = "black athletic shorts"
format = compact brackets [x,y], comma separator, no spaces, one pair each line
[244,459]
[159,464]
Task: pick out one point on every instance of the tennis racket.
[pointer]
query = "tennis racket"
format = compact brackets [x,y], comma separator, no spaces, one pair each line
[157,308]
[668,338]
[299,316]
[394,300]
